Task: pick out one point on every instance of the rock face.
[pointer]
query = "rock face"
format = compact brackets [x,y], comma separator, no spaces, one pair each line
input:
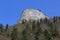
[32,14]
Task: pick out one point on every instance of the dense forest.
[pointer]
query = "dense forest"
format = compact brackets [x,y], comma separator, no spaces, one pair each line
[43,29]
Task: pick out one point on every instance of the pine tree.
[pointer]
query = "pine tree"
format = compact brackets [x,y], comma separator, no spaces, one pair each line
[47,35]
[14,34]
[6,28]
[36,29]
[24,35]
[55,19]
[55,33]
[1,28]
[45,20]
[24,21]
[25,32]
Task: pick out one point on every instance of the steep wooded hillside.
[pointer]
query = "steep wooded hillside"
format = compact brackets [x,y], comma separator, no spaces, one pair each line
[47,29]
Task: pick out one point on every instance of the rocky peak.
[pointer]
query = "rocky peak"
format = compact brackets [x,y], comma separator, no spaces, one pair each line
[32,14]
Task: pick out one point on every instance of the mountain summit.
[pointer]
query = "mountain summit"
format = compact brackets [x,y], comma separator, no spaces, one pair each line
[32,14]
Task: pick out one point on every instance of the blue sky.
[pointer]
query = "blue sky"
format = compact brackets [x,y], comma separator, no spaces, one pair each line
[11,10]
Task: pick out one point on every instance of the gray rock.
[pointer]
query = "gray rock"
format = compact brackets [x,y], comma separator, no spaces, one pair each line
[32,14]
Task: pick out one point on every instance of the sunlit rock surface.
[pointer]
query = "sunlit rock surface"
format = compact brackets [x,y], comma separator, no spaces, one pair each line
[32,14]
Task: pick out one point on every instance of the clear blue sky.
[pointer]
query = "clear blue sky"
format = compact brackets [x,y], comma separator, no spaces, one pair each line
[11,10]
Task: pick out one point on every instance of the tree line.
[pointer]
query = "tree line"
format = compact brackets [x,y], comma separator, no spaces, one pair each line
[46,29]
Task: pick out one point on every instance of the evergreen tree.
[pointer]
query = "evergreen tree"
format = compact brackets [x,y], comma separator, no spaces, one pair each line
[24,21]
[47,35]
[24,35]
[45,20]
[26,32]
[14,34]
[36,29]
[55,19]
[55,33]
[1,28]
[59,17]
[6,28]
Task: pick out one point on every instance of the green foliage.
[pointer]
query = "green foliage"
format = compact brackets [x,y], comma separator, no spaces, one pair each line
[25,33]
[6,28]
[32,30]
[37,33]
[47,35]
[36,29]
[24,21]
[50,24]
[54,33]
[59,18]
[14,34]
[1,28]
[45,20]
[55,19]
[53,30]
[33,26]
